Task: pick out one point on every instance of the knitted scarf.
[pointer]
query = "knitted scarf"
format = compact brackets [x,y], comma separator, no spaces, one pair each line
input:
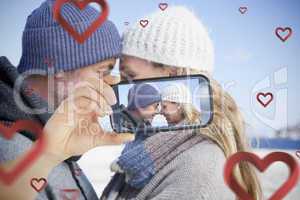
[143,158]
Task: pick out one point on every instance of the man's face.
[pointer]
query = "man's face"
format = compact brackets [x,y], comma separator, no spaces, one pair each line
[132,68]
[171,111]
[67,81]
[148,112]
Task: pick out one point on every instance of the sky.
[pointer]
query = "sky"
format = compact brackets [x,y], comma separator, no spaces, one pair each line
[249,57]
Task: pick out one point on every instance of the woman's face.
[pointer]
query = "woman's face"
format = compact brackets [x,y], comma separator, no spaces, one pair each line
[171,111]
[132,68]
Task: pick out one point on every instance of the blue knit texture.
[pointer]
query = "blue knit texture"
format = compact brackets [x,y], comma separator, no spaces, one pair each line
[45,39]
[137,163]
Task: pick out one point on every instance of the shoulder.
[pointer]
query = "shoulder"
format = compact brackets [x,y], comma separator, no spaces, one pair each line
[205,155]
[200,168]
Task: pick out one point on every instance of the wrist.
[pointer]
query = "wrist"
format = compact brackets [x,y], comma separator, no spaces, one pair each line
[52,155]
[52,159]
[53,152]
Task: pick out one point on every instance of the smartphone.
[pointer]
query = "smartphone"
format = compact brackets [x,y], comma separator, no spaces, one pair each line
[162,104]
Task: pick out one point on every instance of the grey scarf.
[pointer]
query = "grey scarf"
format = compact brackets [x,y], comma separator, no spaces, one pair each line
[142,159]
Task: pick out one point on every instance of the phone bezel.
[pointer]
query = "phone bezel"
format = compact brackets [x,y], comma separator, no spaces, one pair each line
[152,130]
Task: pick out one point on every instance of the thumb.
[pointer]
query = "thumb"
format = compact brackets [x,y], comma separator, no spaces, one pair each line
[112,80]
[112,138]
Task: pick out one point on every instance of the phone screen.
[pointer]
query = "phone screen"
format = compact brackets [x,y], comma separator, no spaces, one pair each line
[162,104]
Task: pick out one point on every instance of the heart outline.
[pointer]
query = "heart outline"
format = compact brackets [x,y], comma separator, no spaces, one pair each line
[144,22]
[80,38]
[262,165]
[243,10]
[9,176]
[34,180]
[163,6]
[283,39]
[264,95]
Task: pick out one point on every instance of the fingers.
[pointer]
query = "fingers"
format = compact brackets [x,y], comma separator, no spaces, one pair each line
[112,80]
[103,88]
[112,139]
[86,100]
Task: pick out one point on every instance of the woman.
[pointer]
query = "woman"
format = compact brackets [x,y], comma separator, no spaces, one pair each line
[177,105]
[183,164]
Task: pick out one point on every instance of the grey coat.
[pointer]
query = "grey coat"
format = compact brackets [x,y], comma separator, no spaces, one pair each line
[196,174]
[62,177]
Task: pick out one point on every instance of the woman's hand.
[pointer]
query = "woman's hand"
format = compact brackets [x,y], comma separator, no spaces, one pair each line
[73,129]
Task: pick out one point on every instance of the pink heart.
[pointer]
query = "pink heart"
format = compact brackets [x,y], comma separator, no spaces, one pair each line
[283,33]
[243,10]
[163,6]
[38,184]
[144,22]
[264,98]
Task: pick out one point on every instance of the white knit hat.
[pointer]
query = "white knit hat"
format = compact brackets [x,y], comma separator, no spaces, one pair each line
[174,37]
[177,93]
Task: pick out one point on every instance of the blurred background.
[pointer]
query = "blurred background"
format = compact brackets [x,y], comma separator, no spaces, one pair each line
[250,59]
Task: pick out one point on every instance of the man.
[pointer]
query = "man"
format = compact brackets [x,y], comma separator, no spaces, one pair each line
[86,66]
[143,102]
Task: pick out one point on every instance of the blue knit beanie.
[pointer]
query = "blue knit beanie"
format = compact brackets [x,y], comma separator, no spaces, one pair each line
[141,96]
[44,39]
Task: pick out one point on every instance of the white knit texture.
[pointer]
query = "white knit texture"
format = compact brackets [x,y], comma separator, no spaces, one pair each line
[177,93]
[174,37]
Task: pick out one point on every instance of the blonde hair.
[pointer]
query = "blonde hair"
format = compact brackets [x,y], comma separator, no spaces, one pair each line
[227,130]
[190,113]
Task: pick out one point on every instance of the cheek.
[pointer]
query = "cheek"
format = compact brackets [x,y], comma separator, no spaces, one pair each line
[149,111]
[169,110]
[173,108]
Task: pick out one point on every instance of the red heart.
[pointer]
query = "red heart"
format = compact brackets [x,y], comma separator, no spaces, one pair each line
[279,31]
[243,10]
[265,95]
[69,194]
[144,22]
[262,165]
[80,38]
[163,6]
[38,184]
[10,176]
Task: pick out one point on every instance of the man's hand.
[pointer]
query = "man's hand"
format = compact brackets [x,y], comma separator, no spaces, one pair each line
[64,131]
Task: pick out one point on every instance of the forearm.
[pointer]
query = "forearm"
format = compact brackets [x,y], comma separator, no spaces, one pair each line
[21,188]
